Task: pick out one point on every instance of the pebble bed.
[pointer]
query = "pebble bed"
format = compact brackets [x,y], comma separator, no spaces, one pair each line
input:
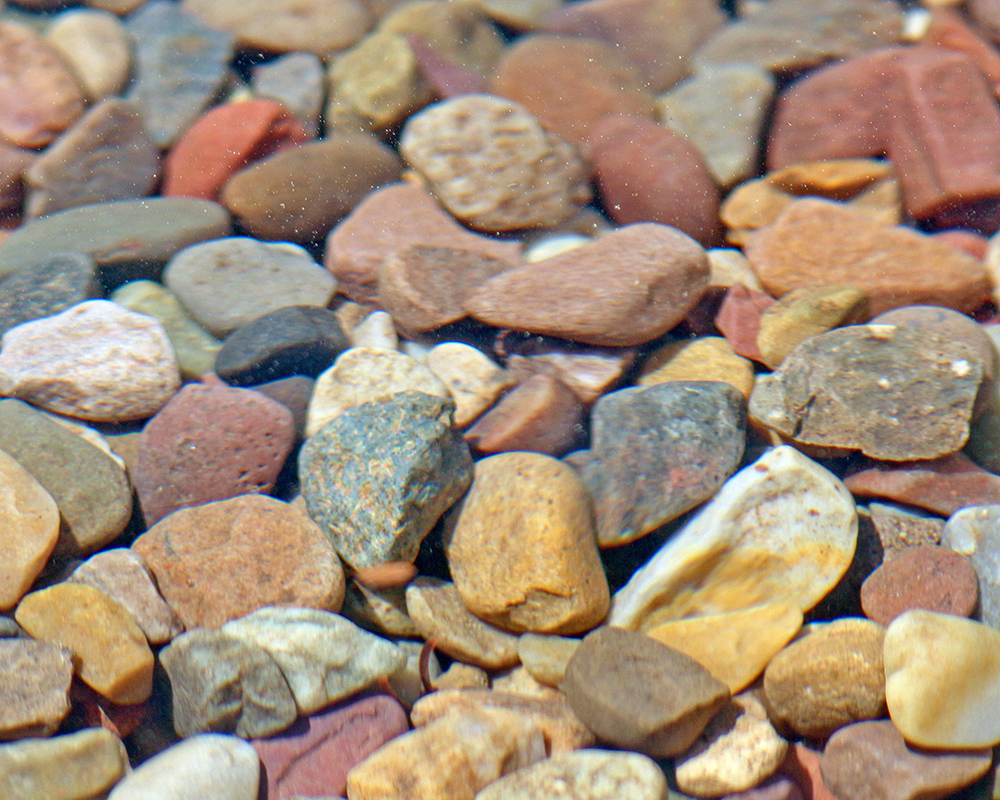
[496,400]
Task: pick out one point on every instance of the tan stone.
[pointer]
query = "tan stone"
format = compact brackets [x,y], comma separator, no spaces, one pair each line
[728,266]
[110,650]
[29,530]
[474,380]
[523,552]
[96,46]
[737,646]
[709,358]
[34,683]
[461,676]
[546,657]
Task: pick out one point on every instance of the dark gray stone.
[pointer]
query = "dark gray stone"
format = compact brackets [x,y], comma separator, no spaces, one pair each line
[658,451]
[379,475]
[220,683]
[296,340]
[46,287]
[180,66]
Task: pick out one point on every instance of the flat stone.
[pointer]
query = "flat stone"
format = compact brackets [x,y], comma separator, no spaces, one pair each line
[228,283]
[828,677]
[95,44]
[50,285]
[313,757]
[890,391]
[363,375]
[437,610]
[932,577]
[638,694]
[29,529]
[34,681]
[523,552]
[546,657]
[210,443]
[973,532]
[377,331]
[96,361]
[732,556]
[180,65]
[588,371]
[734,646]
[454,756]
[940,679]
[219,561]
[90,488]
[323,656]
[74,766]
[645,278]
[109,648]
[296,80]
[221,683]
[194,347]
[105,156]
[872,757]
[379,610]
[473,379]
[221,767]
[379,475]
[583,775]
[646,172]
[123,577]
[738,750]
[708,358]
[658,451]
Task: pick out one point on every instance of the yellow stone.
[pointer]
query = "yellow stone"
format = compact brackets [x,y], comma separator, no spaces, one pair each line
[709,358]
[110,652]
[736,646]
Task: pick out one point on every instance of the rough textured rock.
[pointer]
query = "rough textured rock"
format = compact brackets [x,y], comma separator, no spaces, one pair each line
[641,695]
[379,475]
[658,451]
[34,682]
[974,532]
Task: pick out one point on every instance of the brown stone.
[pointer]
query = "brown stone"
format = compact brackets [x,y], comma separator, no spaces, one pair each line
[898,529]
[802,766]
[927,576]
[13,162]
[588,371]
[951,29]
[34,683]
[625,288]
[220,561]
[648,173]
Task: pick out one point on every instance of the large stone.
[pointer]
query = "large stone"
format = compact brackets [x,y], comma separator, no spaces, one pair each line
[96,46]
[34,683]
[975,533]
[707,358]
[782,530]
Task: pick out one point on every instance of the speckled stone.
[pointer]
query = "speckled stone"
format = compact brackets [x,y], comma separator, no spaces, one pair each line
[380,474]
[898,528]
[34,682]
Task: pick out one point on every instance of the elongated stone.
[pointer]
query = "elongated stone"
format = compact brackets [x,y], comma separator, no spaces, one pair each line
[975,533]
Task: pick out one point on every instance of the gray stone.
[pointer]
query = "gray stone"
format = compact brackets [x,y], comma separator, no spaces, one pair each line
[892,392]
[323,656]
[379,475]
[975,533]
[659,451]
[180,65]
[34,684]
[47,286]
[295,80]
[221,683]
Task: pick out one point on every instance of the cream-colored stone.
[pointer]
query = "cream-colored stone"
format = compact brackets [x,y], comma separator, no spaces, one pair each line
[361,374]
[546,657]
[782,530]
[461,676]
[728,266]
[710,358]
[29,530]
[518,14]
[519,681]
[474,380]
[96,46]
[376,331]
[942,680]
[736,646]
[553,245]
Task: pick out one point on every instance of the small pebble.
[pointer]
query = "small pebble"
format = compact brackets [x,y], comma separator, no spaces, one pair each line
[296,81]
[96,46]
[546,657]
[473,379]
[34,681]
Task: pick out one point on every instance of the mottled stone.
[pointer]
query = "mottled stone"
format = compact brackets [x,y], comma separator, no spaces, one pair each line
[973,532]
[473,379]
[641,281]
[523,551]
[96,46]
[658,451]
[782,530]
[74,766]
[735,646]
[96,360]
[872,759]
[90,488]
[228,283]
[109,648]
[313,757]
[379,610]
[180,65]
[377,331]
[379,475]
[892,392]
[638,694]
[34,682]
[708,358]
[123,577]
[221,683]
[219,561]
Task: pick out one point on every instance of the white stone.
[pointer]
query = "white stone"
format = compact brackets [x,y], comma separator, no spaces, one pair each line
[96,361]
[376,331]
[209,766]
[782,530]
[942,680]
[474,379]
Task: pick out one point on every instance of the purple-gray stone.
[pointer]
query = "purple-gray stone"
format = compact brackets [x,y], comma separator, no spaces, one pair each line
[45,287]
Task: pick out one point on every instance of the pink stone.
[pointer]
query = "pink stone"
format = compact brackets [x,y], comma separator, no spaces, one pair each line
[738,319]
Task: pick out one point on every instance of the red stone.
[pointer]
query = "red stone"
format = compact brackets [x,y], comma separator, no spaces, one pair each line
[223,141]
[802,766]
[739,316]
[948,28]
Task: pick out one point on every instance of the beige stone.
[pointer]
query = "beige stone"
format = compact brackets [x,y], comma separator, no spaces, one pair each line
[461,676]
[96,46]
[376,331]
[736,646]
[546,657]
[34,683]
[942,680]
[110,650]
[29,530]
[728,266]
[474,380]
[523,552]
[710,358]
